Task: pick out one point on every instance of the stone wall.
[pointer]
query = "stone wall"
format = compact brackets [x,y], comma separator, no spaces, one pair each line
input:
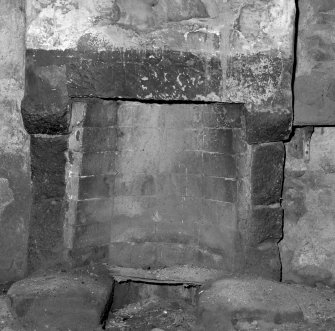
[158,51]
[314,86]
[48,160]
[155,184]
[308,248]
[14,145]
[243,50]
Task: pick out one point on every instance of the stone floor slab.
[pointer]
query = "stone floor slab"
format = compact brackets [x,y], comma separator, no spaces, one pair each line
[60,301]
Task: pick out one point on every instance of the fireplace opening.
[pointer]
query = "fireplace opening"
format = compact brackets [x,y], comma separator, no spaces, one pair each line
[146,185]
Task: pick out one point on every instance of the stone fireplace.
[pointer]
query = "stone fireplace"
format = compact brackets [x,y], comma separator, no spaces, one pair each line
[155,185]
[158,156]
[149,147]
[156,135]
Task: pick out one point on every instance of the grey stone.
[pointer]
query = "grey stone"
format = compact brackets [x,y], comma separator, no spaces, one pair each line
[119,73]
[267,171]
[61,301]
[250,299]
[45,107]
[101,113]
[263,261]
[307,249]
[14,144]
[45,243]
[267,126]
[264,224]
[314,84]
[6,194]
[262,305]
[96,187]
[8,320]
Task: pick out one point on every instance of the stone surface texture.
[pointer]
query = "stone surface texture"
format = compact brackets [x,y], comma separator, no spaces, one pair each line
[61,301]
[8,318]
[45,108]
[235,51]
[314,86]
[259,209]
[258,304]
[308,250]
[14,145]
[48,160]
[155,183]
[198,201]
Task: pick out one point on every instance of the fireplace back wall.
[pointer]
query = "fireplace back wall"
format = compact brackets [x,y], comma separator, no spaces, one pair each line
[154,184]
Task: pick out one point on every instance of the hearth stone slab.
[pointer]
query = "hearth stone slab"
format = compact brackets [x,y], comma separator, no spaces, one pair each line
[61,301]
[255,303]
[248,299]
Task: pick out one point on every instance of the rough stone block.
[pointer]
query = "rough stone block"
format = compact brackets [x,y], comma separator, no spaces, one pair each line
[229,300]
[265,126]
[149,74]
[14,214]
[263,261]
[9,321]
[45,107]
[314,88]
[45,242]
[43,259]
[223,115]
[48,186]
[96,187]
[6,194]
[61,301]
[48,162]
[46,226]
[264,224]
[48,155]
[262,78]
[267,170]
